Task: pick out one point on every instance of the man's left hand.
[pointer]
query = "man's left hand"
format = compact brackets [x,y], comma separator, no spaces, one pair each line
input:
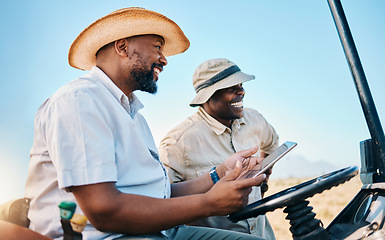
[248,161]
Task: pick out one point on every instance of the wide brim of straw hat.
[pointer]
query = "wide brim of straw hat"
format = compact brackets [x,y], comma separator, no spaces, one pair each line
[125,23]
[204,94]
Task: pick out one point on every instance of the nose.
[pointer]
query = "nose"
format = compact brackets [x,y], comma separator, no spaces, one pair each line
[163,59]
[240,90]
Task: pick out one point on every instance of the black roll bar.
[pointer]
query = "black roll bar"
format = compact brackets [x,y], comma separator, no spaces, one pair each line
[361,84]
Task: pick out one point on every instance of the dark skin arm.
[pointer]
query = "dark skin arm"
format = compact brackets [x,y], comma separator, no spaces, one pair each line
[204,183]
[110,210]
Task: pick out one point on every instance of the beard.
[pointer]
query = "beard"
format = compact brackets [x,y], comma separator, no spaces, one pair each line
[145,78]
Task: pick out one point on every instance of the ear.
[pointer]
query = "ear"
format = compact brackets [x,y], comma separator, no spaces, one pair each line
[205,105]
[121,47]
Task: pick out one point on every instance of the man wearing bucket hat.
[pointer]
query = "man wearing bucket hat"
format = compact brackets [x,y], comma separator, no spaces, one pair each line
[220,127]
[92,146]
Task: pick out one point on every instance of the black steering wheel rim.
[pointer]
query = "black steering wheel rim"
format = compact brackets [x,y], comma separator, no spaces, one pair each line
[294,194]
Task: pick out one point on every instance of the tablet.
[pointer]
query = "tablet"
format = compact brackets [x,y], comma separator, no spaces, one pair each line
[273,158]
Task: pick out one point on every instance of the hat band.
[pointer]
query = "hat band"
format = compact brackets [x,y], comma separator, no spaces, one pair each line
[224,74]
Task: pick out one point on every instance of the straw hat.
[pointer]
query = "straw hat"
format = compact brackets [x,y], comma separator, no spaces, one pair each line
[123,23]
[213,75]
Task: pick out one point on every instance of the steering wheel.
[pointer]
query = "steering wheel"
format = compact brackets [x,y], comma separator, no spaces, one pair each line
[293,195]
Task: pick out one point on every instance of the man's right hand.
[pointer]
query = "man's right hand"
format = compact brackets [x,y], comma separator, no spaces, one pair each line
[229,194]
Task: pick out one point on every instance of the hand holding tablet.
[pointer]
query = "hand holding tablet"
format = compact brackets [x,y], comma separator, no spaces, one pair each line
[271,159]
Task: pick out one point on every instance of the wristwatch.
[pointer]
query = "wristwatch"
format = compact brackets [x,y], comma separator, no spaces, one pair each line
[214,175]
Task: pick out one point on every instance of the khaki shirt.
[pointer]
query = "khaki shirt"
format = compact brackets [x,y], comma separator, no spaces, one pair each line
[200,142]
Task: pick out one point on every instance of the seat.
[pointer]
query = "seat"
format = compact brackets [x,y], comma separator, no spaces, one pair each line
[14,221]
[16,211]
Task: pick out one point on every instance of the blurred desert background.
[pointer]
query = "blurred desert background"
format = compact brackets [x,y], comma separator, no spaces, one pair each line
[326,205]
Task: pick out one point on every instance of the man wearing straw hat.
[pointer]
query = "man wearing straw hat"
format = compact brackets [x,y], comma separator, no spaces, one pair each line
[220,127]
[92,146]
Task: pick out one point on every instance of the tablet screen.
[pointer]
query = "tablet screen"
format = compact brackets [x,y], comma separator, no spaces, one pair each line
[272,158]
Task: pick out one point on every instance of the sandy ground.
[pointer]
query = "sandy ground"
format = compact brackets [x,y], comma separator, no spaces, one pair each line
[326,205]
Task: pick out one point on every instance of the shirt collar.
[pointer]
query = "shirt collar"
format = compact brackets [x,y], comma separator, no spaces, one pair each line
[131,104]
[218,127]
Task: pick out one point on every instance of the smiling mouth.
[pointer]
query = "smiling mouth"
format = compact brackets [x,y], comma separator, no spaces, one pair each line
[157,71]
[238,104]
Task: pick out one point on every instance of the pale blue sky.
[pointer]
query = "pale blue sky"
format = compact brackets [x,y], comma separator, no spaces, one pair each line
[303,84]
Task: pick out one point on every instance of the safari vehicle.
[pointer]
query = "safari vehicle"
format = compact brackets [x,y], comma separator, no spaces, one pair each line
[362,218]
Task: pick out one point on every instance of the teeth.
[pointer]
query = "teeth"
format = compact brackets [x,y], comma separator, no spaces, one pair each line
[157,71]
[237,104]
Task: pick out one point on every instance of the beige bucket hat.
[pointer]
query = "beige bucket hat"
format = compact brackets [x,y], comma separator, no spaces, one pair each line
[215,74]
[123,23]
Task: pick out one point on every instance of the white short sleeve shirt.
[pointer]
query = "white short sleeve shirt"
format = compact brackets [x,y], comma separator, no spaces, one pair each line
[90,132]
